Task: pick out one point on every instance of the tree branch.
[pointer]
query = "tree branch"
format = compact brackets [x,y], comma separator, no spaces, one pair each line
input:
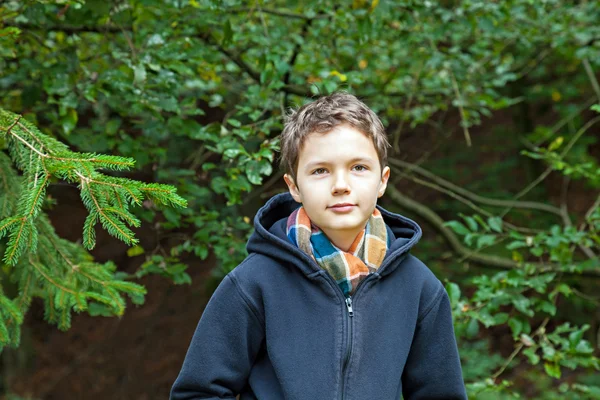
[207,38]
[592,77]
[567,220]
[585,106]
[461,108]
[473,196]
[297,47]
[398,132]
[549,169]
[281,13]
[484,260]
[465,201]
[237,59]
[71,29]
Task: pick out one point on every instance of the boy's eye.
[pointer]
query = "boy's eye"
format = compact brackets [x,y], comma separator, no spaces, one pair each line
[315,172]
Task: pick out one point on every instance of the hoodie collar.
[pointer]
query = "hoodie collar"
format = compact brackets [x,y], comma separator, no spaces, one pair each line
[269,237]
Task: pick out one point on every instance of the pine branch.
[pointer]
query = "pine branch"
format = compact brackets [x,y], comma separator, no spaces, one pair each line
[9,183]
[10,313]
[41,157]
[41,264]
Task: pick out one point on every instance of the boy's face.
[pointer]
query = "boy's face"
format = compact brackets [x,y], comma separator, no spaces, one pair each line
[329,173]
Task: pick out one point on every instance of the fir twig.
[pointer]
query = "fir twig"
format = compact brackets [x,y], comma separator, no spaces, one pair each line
[44,265]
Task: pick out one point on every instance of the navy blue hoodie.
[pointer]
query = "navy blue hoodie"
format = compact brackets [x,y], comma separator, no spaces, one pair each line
[278,326]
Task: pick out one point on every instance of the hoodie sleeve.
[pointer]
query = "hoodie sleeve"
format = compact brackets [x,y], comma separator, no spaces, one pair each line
[433,369]
[223,348]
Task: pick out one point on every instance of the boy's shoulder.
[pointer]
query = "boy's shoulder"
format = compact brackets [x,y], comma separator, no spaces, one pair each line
[419,271]
[256,268]
[429,287]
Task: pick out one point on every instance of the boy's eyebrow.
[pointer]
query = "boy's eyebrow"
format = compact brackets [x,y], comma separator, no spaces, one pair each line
[355,159]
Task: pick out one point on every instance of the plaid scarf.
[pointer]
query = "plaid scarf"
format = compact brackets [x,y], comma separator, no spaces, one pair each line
[363,257]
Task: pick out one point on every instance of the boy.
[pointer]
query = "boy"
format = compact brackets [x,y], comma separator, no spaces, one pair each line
[329,304]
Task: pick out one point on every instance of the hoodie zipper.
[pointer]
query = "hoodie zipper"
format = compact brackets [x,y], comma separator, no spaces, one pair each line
[349,316]
[349,319]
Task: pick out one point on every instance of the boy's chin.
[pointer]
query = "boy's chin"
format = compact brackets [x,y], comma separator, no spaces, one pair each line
[344,226]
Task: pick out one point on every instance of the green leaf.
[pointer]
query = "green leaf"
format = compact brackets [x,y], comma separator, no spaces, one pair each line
[576,336]
[182,278]
[517,244]
[453,291]
[97,309]
[139,74]
[10,31]
[472,328]
[552,369]
[201,251]
[485,240]
[471,223]
[135,251]
[485,318]
[232,153]
[561,288]
[534,359]
[584,347]
[468,239]
[556,143]
[330,86]
[457,227]
[172,216]
[227,33]
[69,121]
[548,307]
[548,351]
[500,318]
[495,224]
[516,326]
[523,304]
[537,251]
[234,122]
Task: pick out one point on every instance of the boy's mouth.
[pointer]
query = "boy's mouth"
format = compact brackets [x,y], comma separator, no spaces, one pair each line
[342,207]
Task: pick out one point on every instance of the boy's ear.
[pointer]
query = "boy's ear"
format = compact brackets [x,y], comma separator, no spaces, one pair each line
[293,188]
[385,176]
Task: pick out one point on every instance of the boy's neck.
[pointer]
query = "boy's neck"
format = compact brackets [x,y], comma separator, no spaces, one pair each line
[342,240]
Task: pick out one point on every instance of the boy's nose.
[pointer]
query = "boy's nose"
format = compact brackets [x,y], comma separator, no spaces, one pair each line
[340,184]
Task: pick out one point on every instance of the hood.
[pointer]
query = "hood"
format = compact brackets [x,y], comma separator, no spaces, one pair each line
[270,237]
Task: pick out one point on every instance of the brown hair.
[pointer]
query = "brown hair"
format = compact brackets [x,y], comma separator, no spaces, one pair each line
[323,115]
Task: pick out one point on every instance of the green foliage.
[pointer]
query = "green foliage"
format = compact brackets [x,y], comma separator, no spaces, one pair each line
[519,296]
[37,261]
[588,169]
[477,231]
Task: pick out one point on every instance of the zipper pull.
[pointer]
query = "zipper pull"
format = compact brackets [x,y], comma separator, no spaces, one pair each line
[349,305]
